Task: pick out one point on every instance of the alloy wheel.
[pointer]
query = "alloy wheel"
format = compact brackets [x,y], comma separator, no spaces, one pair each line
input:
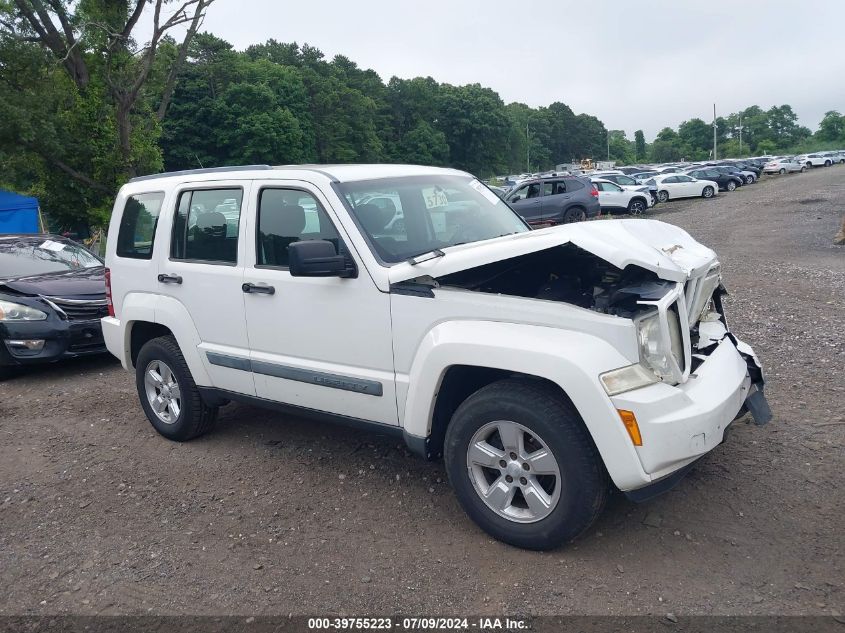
[163,392]
[513,471]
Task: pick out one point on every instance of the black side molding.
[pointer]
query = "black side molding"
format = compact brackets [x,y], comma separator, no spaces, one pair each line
[218,397]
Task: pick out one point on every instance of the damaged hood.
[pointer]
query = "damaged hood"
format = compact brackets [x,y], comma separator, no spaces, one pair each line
[662,248]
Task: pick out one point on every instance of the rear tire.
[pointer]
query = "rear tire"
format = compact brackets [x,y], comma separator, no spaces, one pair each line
[575,214]
[827,163]
[663,196]
[803,169]
[536,418]
[164,382]
[782,171]
[707,192]
[637,206]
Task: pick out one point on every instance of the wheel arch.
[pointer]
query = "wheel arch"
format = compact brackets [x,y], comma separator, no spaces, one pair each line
[458,358]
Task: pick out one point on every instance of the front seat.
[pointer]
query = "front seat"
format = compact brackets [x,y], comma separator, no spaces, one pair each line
[281,226]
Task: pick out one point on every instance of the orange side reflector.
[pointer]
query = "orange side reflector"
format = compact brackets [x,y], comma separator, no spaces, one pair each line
[630,422]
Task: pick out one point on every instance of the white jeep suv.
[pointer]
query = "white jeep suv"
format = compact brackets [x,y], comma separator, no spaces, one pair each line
[542,365]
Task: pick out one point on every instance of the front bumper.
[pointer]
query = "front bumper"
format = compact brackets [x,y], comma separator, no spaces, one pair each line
[681,423]
[62,339]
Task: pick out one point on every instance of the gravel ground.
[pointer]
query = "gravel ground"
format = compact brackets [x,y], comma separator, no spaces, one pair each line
[99,515]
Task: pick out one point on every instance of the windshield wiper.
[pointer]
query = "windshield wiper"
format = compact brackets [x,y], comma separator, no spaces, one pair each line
[424,257]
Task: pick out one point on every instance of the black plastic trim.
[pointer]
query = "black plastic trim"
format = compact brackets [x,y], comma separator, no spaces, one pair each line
[660,486]
[322,379]
[216,397]
[204,170]
[412,289]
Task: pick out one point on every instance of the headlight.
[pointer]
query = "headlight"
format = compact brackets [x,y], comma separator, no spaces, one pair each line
[653,349]
[627,379]
[16,312]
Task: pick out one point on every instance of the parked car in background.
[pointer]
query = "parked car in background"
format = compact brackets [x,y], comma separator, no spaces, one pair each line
[749,171]
[784,166]
[556,200]
[642,176]
[672,186]
[815,160]
[52,297]
[836,156]
[733,172]
[725,181]
[613,197]
[747,177]
[629,182]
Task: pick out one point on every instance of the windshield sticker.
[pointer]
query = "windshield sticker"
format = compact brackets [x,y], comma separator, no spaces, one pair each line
[50,245]
[484,191]
[434,197]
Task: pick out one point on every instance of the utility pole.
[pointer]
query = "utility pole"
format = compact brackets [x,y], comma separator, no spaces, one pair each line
[740,133]
[714,132]
[608,146]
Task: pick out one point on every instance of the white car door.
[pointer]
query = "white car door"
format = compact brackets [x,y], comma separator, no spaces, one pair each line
[200,279]
[688,186]
[611,196]
[323,343]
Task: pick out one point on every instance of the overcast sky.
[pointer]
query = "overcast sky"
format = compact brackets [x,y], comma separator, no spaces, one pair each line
[646,67]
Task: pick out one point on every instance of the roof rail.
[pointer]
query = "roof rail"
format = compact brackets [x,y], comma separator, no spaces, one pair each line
[205,170]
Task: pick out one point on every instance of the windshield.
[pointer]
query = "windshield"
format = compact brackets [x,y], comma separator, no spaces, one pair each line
[25,258]
[409,216]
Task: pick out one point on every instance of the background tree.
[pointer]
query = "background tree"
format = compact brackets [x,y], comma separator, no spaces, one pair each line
[79,94]
[832,127]
[639,145]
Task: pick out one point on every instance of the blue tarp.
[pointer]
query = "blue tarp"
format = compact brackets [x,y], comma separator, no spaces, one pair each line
[18,214]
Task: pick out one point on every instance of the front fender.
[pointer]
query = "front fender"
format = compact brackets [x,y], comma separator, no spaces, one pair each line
[572,360]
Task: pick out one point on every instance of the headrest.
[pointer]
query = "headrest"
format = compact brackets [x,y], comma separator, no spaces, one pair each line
[372,218]
[211,220]
[286,220]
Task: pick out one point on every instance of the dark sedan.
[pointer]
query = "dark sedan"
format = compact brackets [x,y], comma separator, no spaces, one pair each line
[726,181]
[52,297]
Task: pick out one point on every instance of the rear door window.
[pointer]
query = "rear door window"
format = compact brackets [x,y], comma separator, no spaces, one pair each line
[138,225]
[205,228]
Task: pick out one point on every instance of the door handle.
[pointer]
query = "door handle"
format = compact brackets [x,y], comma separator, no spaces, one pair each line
[170,279]
[263,289]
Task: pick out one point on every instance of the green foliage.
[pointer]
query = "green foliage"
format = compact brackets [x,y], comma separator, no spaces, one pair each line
[832,127]
[639,145]
[72,129]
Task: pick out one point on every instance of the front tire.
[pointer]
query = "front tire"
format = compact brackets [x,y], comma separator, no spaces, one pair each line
[552,486]
[749,180]
[663,196]
[707,192]
[731,186]
[168,393]
[637,206]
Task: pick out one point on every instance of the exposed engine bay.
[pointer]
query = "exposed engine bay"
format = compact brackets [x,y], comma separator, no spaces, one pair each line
[567,274]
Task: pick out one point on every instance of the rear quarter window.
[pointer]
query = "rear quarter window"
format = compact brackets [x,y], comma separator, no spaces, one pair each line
[138,225]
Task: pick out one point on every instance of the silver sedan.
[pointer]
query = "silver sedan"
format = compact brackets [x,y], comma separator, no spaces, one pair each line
[783,166]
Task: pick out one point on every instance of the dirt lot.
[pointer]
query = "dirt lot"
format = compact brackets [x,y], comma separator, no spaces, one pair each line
[99,515]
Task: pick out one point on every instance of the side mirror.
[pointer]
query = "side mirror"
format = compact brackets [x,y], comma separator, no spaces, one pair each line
[516,198]
[316,258]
